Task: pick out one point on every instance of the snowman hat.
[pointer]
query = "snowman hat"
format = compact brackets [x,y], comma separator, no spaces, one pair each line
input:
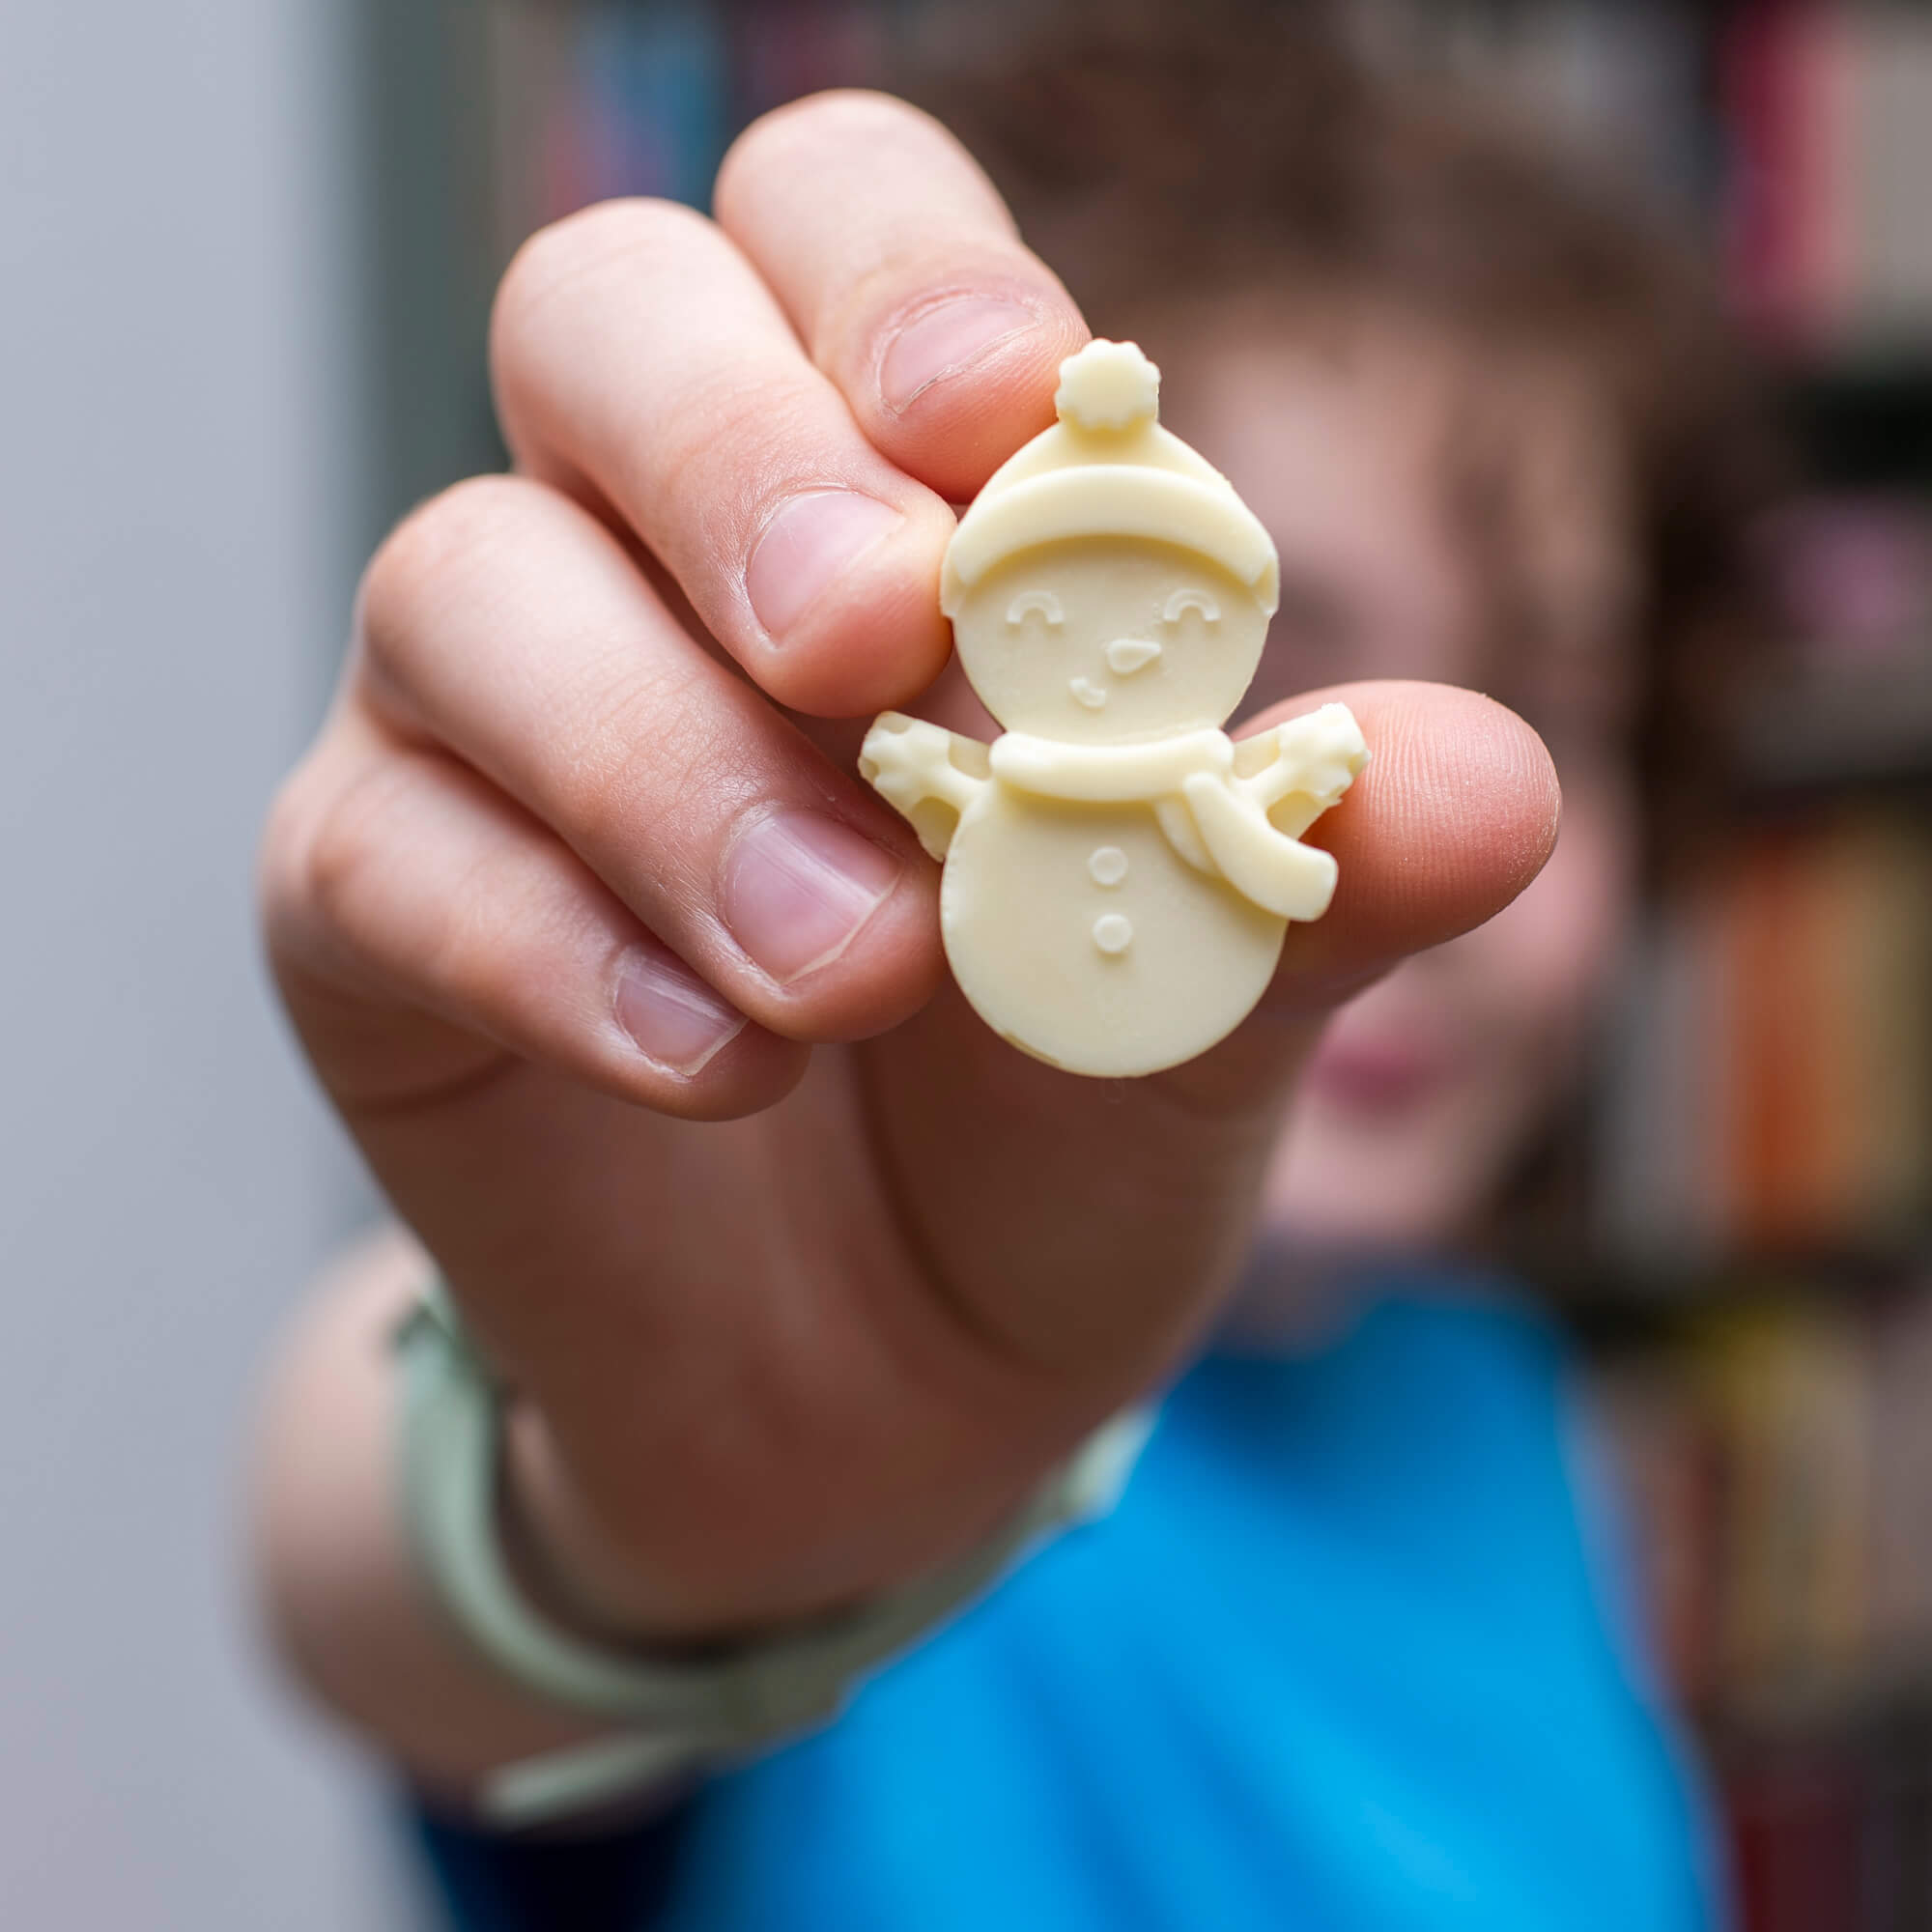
[1108,468]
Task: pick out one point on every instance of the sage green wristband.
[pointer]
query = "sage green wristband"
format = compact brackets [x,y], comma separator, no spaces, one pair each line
[678,1713]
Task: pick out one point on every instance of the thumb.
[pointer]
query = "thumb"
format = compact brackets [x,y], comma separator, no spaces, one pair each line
[1454,815]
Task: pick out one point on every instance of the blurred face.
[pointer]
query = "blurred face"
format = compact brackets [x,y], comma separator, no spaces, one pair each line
[1428,1085]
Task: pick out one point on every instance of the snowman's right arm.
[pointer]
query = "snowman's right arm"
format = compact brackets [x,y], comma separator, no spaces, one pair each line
[926,774]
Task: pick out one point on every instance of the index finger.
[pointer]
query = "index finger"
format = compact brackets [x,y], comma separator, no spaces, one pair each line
[901,269]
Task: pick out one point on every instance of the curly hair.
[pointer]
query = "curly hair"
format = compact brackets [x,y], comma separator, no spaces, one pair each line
[1241,151]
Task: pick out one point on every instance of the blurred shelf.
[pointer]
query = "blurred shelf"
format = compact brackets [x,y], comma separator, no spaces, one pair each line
[1615,1304]
[1877,1695]
[1840,726]
[1862,423]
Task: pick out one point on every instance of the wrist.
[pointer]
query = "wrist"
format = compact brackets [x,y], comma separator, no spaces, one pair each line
[563,1561]
[707,1585]
[676,1711]
[597,1584]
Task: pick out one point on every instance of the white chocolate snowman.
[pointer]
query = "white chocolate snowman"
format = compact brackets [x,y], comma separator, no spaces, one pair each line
[1120,875]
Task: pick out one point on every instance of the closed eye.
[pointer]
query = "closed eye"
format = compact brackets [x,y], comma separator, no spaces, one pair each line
[1030,601]
[1182,602]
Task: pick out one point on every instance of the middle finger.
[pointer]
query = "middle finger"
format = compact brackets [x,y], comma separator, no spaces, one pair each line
[640,361]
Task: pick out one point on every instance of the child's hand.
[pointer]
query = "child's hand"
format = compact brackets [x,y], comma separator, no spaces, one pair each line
[632,991]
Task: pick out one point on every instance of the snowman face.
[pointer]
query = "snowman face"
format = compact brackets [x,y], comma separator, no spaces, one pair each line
[1109,640]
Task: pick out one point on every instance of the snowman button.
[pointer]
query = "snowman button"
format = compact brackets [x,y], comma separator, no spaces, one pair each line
[1113,932]
[1108,865]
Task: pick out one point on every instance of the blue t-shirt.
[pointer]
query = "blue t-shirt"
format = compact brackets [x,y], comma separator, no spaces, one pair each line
[1340,1659]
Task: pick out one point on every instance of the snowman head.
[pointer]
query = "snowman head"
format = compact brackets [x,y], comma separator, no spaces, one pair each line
[1108,587]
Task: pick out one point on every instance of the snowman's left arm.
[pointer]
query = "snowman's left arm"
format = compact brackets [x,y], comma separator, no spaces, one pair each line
[1315,760]
[920,770]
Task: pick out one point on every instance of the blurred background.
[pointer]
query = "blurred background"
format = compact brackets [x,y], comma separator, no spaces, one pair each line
[249,248]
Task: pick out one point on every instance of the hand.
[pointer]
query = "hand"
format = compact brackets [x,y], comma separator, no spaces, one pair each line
[630,989]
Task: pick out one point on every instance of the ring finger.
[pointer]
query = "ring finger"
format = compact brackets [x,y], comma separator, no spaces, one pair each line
[504,622]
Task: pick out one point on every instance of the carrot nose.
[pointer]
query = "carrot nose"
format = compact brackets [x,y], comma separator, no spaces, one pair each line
[1128,655]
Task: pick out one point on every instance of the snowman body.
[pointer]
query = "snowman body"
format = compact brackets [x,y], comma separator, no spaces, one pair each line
[1081,935]
[1118,876]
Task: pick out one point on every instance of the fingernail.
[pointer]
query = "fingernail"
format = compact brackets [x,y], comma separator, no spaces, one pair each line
[671,1014]
[798,886]
[811,540]
[945,340]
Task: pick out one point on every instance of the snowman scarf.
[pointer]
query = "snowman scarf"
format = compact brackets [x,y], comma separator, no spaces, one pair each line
[1220,824]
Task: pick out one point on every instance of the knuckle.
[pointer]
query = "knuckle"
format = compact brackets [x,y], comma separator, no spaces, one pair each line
[318,840]
[644,747]
[278,860]
[423,558]
[559,260]
[780,140]
[733,445]
[339,847]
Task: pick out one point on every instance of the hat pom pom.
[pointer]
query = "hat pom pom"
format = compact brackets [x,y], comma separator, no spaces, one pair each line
[1107,385]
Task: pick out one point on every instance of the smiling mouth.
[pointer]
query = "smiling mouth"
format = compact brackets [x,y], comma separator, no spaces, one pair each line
[1125,656]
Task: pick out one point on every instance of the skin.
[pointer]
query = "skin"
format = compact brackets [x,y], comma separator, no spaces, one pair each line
[1424,1087]
[809,1303]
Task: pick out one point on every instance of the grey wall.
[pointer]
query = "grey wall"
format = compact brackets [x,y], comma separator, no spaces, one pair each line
[177,422]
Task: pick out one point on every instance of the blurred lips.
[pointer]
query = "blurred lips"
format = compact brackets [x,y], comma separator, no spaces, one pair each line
[1379,1072]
